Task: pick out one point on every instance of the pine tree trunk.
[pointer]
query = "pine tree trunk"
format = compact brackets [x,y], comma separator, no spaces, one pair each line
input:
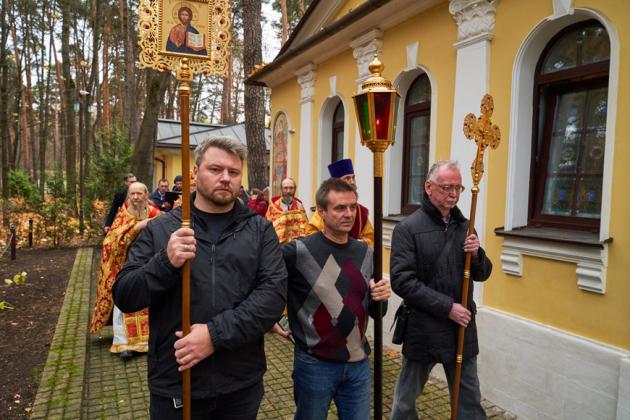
[131,99]
[69,87]
[28,34]
[226,95]
[4,112]
[24,131]
[254,100]
[173,85]
[285,21]
[93,82]
[44,95]
[143,155]
[105,89]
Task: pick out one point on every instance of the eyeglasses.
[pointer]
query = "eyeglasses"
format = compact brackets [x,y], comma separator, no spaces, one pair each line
[448,188]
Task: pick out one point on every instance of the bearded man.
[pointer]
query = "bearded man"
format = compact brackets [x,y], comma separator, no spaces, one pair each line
[238,286]
[131,331]
[287,214]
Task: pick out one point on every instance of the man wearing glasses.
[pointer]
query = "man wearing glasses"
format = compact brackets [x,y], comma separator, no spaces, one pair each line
[427,266]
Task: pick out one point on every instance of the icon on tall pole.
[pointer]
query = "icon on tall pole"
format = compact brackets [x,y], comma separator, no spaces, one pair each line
[189,37]
[376,109]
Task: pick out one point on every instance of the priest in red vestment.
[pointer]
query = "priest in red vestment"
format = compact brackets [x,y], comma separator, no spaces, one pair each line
[287,214]
[131,331]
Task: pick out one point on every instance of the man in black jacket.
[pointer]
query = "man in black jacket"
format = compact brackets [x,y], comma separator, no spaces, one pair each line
[119,199]
[427,267]
[158,197]
[238,291]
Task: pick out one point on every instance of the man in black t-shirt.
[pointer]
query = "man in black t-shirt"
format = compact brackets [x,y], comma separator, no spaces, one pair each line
[237,293]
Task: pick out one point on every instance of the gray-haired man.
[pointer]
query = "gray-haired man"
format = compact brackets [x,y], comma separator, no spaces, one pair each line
[427,267]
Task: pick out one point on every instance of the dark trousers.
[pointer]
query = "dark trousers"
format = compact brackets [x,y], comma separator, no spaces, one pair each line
[239,405]
[414,375]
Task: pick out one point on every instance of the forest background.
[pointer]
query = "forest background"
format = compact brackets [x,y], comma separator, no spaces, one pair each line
[77,111]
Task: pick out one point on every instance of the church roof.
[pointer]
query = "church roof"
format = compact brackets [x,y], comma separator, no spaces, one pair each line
[169,133]
[321,34]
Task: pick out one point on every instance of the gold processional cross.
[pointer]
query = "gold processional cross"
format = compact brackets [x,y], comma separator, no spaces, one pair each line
[485,134]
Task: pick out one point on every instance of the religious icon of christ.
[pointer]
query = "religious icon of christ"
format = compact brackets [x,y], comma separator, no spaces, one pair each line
[184,38]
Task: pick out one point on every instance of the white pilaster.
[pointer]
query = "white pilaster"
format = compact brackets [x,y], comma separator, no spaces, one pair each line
[475,26]
[364,48]
[306,77]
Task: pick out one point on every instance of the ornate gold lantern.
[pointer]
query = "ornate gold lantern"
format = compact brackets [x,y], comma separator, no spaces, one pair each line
[376,107]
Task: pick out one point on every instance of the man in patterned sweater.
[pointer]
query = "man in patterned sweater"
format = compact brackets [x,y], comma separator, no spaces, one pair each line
[330,295]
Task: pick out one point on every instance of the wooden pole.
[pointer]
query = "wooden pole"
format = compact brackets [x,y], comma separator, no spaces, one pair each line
[30,233]
[461,329]
[184,75]
[378,275]
[13,243]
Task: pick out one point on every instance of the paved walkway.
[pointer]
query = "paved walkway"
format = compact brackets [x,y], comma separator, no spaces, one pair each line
[82,380]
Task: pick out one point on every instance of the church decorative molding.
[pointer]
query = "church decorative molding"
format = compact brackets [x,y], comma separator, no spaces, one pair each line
[475,20]
[388,231]
[306,77]
[561,8]
[363,50]
[591,262]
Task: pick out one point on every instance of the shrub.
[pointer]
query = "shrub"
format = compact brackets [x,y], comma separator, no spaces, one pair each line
[20,185]
[56,212]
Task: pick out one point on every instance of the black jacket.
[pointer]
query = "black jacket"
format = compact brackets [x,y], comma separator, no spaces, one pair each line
[417,243]
[238,288]
[157,199]
[119,200]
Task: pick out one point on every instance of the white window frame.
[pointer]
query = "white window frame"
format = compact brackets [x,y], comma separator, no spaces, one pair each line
[591,261]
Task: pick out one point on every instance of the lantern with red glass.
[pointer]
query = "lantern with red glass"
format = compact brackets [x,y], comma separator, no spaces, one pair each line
[376,108]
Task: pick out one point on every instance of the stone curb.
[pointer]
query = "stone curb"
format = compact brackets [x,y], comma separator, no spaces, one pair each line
[60,389]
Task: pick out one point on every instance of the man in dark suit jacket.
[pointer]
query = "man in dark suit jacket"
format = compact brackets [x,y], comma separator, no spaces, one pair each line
[119,200]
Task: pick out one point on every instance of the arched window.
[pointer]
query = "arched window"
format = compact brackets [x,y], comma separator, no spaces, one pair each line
[570,104]
[337,134]
[416,143]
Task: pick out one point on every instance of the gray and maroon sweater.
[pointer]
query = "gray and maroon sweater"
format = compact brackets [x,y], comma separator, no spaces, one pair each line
[329,296]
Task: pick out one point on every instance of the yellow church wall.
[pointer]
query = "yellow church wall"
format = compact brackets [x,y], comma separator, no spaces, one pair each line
[435,31]
[344,67]
[547,292]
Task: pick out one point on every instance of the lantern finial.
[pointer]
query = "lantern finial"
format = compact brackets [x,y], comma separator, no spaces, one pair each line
[376,82]
[376,67]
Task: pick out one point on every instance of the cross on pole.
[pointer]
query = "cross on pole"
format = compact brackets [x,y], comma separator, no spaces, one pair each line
[484,133]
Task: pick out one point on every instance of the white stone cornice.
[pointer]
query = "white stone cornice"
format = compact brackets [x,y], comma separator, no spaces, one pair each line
[364,48]
[561,8]
[306,77]
[475,20]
